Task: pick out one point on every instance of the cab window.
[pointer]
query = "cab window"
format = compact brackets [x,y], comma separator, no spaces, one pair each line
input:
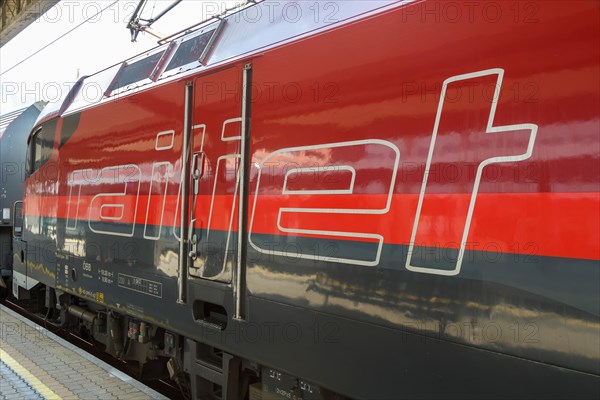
[40,148]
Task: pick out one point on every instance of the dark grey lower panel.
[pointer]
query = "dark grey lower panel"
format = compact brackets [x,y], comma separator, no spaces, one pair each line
[507,326]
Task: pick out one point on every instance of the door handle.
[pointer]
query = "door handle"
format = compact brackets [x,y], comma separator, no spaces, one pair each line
[193,240]
[197,169]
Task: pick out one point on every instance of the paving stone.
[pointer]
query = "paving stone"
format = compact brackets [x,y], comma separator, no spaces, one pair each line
[69,373]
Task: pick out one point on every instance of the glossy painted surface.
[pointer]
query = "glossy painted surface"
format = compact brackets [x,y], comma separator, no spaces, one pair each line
[342,127]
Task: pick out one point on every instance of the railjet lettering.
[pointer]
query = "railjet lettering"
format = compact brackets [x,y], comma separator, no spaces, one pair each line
[515,141]
[296,196]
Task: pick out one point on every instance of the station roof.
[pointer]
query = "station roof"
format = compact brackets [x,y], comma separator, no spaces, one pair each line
[16,15]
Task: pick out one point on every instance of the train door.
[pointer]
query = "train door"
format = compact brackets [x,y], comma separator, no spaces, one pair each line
[218,178]
[20,280]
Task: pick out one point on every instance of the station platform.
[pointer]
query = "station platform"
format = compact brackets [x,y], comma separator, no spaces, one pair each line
[36,364]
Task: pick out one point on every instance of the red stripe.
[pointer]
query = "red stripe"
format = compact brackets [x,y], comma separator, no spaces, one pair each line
[548,224]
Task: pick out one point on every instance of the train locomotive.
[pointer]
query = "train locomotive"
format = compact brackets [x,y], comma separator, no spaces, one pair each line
[15,126]
[329,200]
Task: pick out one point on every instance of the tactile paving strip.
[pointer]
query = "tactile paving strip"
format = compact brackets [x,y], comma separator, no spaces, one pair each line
[38,363]
[13,387]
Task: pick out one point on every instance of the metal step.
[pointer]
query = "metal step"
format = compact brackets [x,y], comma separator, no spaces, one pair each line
[213,374]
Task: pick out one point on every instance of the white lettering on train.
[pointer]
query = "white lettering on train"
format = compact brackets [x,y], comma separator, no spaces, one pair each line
[124,180]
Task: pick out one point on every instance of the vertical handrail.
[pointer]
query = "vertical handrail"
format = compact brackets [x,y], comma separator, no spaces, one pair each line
[243,201]
[182,273]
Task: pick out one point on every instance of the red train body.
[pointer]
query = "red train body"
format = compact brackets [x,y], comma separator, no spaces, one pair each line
[419,194]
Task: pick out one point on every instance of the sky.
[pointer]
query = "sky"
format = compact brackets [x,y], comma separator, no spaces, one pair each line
[95,45]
